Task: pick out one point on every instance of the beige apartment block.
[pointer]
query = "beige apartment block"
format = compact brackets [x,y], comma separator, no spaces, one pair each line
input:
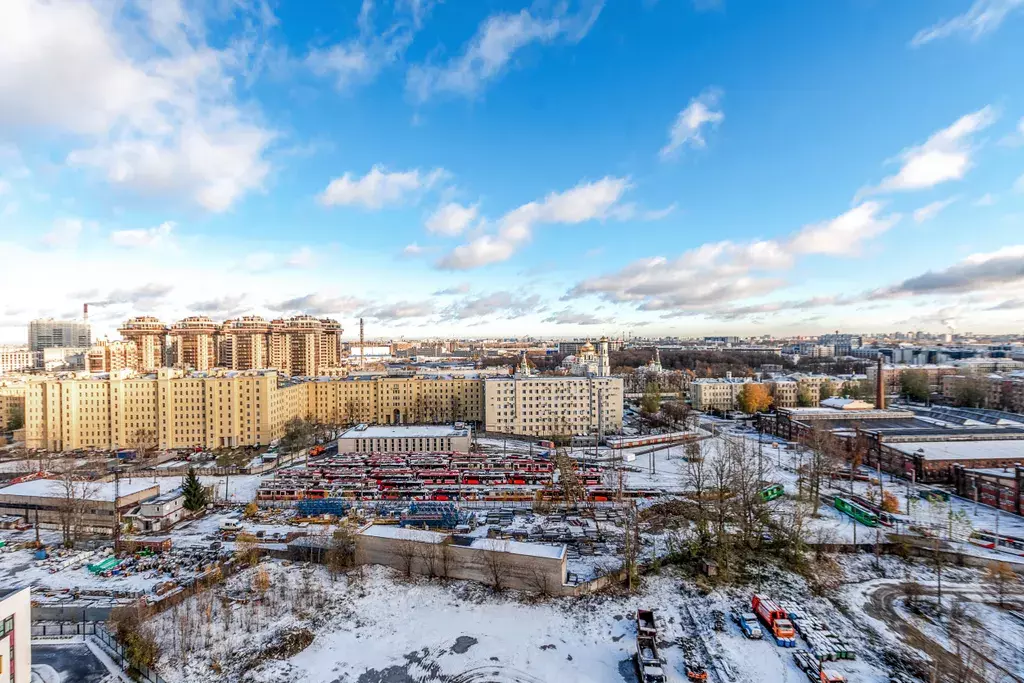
[243,343]
[190,343]
[12,402]
[304,345]
[150,337]
[112,356]
[553,406]
[717,393]
[17,358]
[220,408]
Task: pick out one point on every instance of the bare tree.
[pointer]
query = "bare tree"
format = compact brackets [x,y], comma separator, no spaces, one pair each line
[341,554]
[143,442]
[497,563]
[75,496]
[631,547]
[1002,581]
[406,552]
[539,582]
[445,560]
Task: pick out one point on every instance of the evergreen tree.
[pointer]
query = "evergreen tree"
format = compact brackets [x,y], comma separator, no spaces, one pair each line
[195,495]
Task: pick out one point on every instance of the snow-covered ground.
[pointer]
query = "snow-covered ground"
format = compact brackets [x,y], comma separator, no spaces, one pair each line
[381,628]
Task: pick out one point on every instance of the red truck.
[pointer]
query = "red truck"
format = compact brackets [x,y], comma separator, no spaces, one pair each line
[776,619]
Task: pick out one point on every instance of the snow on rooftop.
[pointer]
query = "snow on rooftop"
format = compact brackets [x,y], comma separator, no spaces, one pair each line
[555,552]
[403,432]
[94,490]
[1007,449]
[396,532]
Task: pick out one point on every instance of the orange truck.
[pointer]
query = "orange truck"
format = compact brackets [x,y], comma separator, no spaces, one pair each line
[775,618]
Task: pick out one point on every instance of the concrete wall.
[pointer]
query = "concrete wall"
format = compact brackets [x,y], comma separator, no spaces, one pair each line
[520,572]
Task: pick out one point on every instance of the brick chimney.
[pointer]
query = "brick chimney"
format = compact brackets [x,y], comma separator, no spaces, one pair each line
[880,387]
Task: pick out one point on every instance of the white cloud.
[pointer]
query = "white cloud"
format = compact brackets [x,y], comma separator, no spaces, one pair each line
[378,188]
[843,235]
[399,310]
[983,16]
[259,261]
[977,272]
[303,257]
[569,317]
[159,236]
[411,250]
[361,59]
[586,201]
[501,304]
[945,156]
[317,304]
[452,219]
[65,232]
[701,113]
[153,103]
[987,199]
[497,40]
[931,211]
[5,186]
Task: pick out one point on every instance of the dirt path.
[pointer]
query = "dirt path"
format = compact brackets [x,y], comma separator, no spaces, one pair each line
[880,606]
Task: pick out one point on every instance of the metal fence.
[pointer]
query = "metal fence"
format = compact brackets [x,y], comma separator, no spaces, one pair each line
[117,652]
[63,628]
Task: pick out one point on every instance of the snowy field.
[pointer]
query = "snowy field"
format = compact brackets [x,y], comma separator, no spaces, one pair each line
[384,629]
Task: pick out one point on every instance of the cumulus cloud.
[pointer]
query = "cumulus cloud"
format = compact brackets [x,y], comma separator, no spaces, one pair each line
[688,129]
[399,310]
[977,272]
[64,233]
[144,294]
[378,188]
[226,305]
[714,275]
[159,236]
[497,40]
[452,219]
[501,304]
[983,16]
[586,201]
[945,156]
[303,257]
[931,211]
[413,250]
[153,104]
[316,304]
[569,317]
[845,234]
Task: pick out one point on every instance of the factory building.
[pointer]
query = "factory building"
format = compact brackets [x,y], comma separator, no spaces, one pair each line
[406,439]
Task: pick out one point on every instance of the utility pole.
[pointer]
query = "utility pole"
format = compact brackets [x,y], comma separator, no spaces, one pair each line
[117,510]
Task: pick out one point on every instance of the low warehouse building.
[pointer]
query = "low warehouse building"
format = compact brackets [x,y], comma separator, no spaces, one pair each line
[933,457]
[1001,487]
[501,563]
[496,562]
[91,503]
[406,439]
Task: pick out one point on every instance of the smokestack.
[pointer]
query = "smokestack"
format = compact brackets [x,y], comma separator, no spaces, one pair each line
[879,387]
[85,312]
[362,346]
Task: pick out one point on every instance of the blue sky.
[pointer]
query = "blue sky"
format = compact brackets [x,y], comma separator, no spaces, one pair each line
[490,168]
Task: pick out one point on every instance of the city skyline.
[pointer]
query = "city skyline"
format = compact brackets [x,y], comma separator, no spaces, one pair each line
[552,169]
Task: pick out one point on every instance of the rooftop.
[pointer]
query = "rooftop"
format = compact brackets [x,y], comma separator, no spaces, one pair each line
[1010,449]
[102,491]
[404,432]
[397,532]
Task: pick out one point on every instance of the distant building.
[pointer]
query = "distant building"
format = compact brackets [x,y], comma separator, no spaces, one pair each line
[842,344]
[64,358]
[717,393]
[406,439]
[190,343]
[112,356]
[50,334]
[553,406]
[150,337]
[244,343]
[17,358]
[589,362]
[572,348]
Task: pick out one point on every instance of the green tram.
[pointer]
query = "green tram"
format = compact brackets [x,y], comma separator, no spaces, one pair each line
[861,514]
[772,492]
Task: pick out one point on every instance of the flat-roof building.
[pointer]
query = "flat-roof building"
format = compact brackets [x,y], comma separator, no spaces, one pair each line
[88,506]
[406,439]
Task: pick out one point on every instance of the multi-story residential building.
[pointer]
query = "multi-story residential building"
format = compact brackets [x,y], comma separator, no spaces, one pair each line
[112,356]
[843,344]
[304,345]
[49,333]
[150,337]
[790,391]
[191,344]
[16,634]
[717,393]
[16,358]
[892,375]
[176,409]
[243,343]
[64,358]
[12,403]
[553,406]
[785,392]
